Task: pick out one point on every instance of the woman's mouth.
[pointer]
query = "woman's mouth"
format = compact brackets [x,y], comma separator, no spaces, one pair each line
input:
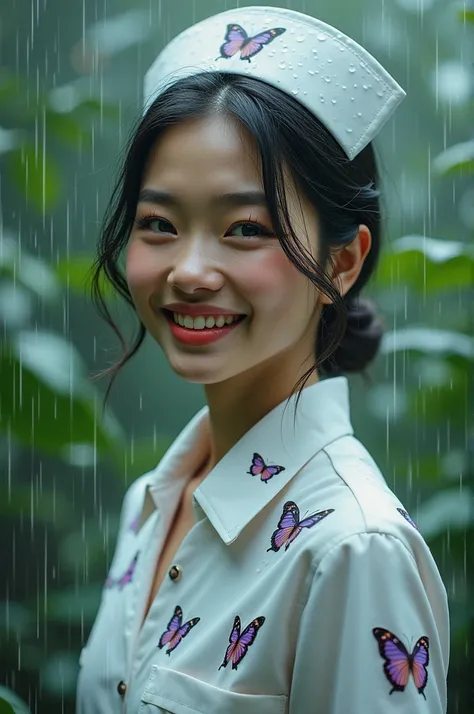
[201,330]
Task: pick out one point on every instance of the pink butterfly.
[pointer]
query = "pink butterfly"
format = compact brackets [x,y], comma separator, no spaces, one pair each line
[407,518]
[175,631]
[290,526]
[399,663]
[239,643]
[236,39]
[259,467]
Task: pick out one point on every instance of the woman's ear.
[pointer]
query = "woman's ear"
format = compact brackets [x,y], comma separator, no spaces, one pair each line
[348,261]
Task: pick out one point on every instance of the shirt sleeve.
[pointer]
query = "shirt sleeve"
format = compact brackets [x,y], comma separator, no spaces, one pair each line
[374,634]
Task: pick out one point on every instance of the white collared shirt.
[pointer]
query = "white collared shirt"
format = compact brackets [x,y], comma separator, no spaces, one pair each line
[266,617]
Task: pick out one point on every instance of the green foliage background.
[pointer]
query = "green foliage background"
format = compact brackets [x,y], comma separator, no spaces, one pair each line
[70,88]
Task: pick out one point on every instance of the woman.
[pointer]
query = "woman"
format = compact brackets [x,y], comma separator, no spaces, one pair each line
[264,566]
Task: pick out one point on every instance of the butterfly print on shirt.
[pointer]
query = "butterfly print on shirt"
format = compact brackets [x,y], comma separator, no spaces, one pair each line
[260,468]
[290,526]
[175,631]
[237,40]
[407,518]
[399,662]
[239,643]
[126,577]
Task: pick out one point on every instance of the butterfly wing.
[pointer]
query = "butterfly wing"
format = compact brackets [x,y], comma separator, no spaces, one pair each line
[246,639]
[254,45]
[182,632]
[257,466]
[397,660]
[420,659]
[172,627]
[270,471]
[128,575]
[234,39]
[286,525]
[233,640]
[407,518]
[311,521]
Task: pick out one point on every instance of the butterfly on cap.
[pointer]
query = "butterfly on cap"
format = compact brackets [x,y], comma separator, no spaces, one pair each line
[260,468]
[236,39]
[176,631]
[239,643]
[290,526]
[399,662]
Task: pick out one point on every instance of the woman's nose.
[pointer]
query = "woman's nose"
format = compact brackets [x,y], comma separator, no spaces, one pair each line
[195,267]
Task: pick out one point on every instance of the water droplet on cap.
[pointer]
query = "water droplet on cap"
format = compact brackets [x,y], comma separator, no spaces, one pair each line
[365,86]
[295,76]
[352,69]
[329,60]
[284,49]
[334,101]
[380,94]
[294,91]
[327,79]
[311,71]
[322,38]
[300,38]
[282,65]
[359,114]
[341,48]
[300,64]
[349,131]
[355,85]
[343,86]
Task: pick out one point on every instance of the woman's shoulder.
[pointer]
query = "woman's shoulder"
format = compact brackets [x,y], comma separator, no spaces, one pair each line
[344,478]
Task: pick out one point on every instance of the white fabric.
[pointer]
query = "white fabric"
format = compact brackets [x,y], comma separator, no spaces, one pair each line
[334,77]
[363,566]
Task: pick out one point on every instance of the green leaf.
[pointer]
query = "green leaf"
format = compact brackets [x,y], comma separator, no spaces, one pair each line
[32,272]
[458,159]
[36,175]
[11,702]
[66,128]
[427,264]
[46,399]
[427,340]
[466,15]
[450,508]
[76,274]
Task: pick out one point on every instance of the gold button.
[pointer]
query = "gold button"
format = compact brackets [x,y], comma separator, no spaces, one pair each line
[175,572]
[121,688]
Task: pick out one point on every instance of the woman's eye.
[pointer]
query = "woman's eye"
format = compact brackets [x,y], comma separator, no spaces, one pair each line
[249,230]
[155,224]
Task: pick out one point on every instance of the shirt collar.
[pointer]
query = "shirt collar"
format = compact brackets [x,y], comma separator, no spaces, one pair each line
[230,496]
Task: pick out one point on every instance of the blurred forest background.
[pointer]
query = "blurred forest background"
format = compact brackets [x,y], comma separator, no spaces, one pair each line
[70,89]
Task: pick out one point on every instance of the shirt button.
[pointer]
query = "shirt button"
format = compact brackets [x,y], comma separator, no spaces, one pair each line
[121,688]
[175,572]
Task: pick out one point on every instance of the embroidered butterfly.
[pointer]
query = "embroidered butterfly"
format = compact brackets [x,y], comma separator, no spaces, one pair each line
[239,643]
[126,577]
[260,468]
[236,39]
[290,526]
[399,662]
[175,630]
[407,517]
[135,523]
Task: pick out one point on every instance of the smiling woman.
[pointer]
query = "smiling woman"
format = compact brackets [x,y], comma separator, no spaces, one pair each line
[248,207]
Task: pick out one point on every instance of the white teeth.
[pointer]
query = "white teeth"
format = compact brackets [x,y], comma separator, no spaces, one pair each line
[199,323]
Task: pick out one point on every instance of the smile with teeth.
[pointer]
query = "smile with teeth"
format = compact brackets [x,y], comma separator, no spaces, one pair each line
[204,322]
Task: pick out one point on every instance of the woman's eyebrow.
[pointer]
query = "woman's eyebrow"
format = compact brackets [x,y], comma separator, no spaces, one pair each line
[234,198]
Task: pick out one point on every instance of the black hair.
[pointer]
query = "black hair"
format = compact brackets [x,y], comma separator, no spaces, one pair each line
[344,194]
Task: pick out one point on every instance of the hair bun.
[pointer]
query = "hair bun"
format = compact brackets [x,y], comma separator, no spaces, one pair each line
[361,341]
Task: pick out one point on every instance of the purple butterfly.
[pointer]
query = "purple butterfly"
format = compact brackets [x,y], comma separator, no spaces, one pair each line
[239,643]
[128,575]
[236,39]
[175,631]
[290,526]
[135,523]
[399,662]
[259,467]
[407,517]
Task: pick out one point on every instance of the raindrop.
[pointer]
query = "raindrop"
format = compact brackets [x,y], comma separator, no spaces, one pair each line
[343,86]
[352,69]
[300,38]
[285,49]
[359,114]
[311,71]
[365,86]
[329,59]
[355,85]
[300,64]
[294,91]
[295,76]
[352,99]
[380,94]
[327,79]
[341,48]
[349,131]
[333,101]
[282,65]
[322,38]
[322,99]
[314,51]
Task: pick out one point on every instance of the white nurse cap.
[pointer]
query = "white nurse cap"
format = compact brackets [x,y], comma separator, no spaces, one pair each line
[329,73]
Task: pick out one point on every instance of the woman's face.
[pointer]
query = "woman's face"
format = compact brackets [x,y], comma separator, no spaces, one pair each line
[208,239]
